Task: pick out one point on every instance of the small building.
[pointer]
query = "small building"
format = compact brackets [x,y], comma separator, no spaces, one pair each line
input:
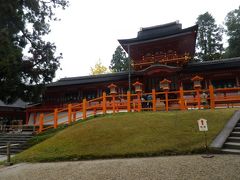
[14,113]
[157,53]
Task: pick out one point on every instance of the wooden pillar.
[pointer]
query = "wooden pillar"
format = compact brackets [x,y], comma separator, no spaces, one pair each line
[129,101]
[74,116]
[154,108]
[205,84]
[104,108]
[166,100]
[34,118]
[27,116]
[84,109]
[139,101]
[41,123]
[55,125]
[94,110]
[237,81]
[69,113]
[113,103]
[181,98]
[212,98]
[198,98]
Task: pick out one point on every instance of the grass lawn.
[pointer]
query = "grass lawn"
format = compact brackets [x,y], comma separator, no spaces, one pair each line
[130,135]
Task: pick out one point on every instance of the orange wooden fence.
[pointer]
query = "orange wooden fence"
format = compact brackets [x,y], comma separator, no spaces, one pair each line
[155,101]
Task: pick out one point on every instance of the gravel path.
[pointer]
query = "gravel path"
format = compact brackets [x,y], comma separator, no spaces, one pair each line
[170,167]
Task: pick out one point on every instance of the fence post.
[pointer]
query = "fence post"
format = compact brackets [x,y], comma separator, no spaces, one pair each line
[27,116]
[34,118]
[166,100]
[84,109]
[55,118]
[128,101]
[69,113]
[198,98]
[154,100]
[94,110]
[211,96]
[74,116]
[113,103]
[104,108]
[181,93]
[8,163]
[139,101]
[41,122]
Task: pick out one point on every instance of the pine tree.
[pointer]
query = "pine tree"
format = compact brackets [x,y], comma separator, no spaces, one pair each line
[119,60]
[209,39]
[232,22]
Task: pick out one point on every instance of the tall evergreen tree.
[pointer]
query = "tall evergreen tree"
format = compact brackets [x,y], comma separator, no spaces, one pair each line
[209,39]
[23,24]
[119,60]
[232,22]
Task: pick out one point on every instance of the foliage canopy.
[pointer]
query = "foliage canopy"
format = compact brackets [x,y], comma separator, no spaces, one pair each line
[232,22]
[98,68]
[209,39]
[119,60]
[27,60]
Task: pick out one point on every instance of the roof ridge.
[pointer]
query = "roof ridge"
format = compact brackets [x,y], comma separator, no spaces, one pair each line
[92,76]
[159,26]
[216,61]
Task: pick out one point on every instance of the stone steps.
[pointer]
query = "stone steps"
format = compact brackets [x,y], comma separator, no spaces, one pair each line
[235,134]
[232,144]
[15,138]
[233,139]
[233,151]
[236,129]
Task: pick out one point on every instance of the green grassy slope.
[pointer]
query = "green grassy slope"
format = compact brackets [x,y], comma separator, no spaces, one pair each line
[130,134]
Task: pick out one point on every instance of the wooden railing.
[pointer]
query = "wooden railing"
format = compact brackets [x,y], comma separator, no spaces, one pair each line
[155,101]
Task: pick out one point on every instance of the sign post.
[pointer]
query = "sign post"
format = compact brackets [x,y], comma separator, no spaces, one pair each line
[202,125]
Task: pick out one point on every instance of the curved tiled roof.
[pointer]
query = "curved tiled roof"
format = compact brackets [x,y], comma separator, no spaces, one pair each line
[19,103]
[157,32]
[111,77]
[90,79]
[231,63]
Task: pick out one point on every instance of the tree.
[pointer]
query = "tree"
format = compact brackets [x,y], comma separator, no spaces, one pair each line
[98,68]
[232,21]
[119,60]
[209,39]
[27,61]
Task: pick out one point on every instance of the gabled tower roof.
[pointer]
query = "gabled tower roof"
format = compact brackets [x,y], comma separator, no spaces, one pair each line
[164,37]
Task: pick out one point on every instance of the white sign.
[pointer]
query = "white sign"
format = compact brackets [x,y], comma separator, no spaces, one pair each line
[202,124]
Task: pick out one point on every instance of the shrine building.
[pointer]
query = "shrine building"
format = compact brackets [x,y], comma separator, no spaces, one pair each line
[157,53]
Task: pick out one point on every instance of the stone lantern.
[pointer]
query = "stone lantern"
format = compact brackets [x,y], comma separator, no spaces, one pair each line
[197,86]
[165,85]
[138,87]
[138,90]
[112,88]
[197,82]
[113,92]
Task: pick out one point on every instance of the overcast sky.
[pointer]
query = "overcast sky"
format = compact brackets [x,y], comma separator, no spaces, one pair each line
[89,29]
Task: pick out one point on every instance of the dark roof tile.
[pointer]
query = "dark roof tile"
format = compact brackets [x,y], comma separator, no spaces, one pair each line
[191,67]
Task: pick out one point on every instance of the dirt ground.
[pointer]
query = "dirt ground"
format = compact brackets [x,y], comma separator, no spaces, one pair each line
[167,167]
